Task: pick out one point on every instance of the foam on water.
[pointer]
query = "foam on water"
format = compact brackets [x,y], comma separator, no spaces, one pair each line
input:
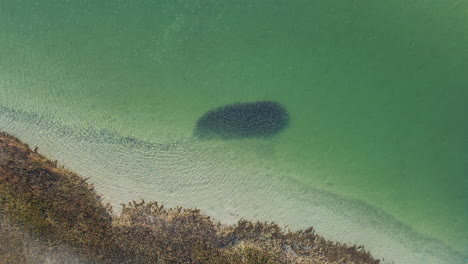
[207,176]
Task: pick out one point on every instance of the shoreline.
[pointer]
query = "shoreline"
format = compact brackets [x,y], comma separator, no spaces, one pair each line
[347,221]
[41,199]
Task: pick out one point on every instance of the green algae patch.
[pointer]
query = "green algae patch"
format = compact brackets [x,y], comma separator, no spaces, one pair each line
[48,213]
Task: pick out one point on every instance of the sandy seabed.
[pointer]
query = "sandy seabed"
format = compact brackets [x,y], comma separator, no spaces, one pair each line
[196,174]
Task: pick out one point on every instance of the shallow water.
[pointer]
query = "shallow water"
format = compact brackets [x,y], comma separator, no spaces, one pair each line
[376,151]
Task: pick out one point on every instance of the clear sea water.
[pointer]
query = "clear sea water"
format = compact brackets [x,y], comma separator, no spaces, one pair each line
[376,152]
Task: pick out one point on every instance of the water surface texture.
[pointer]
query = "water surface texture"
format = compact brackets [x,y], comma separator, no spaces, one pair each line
[376,94]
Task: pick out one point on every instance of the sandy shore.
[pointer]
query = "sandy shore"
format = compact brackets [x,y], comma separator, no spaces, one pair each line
[51,214]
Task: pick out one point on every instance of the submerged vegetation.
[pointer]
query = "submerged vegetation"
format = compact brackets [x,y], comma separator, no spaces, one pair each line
[254,119]
[51,215]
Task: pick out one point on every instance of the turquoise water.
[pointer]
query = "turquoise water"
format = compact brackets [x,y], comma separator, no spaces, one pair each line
[376,92]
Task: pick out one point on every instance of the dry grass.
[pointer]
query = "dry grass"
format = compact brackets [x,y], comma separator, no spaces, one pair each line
[48,213]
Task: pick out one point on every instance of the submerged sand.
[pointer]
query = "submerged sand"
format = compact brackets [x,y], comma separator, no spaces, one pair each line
[50,214]
[123,169]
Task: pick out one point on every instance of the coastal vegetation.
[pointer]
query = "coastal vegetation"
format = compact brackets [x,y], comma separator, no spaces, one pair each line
[51,215]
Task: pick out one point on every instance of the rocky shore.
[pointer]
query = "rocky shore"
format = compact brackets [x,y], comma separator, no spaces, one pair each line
[51,215]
